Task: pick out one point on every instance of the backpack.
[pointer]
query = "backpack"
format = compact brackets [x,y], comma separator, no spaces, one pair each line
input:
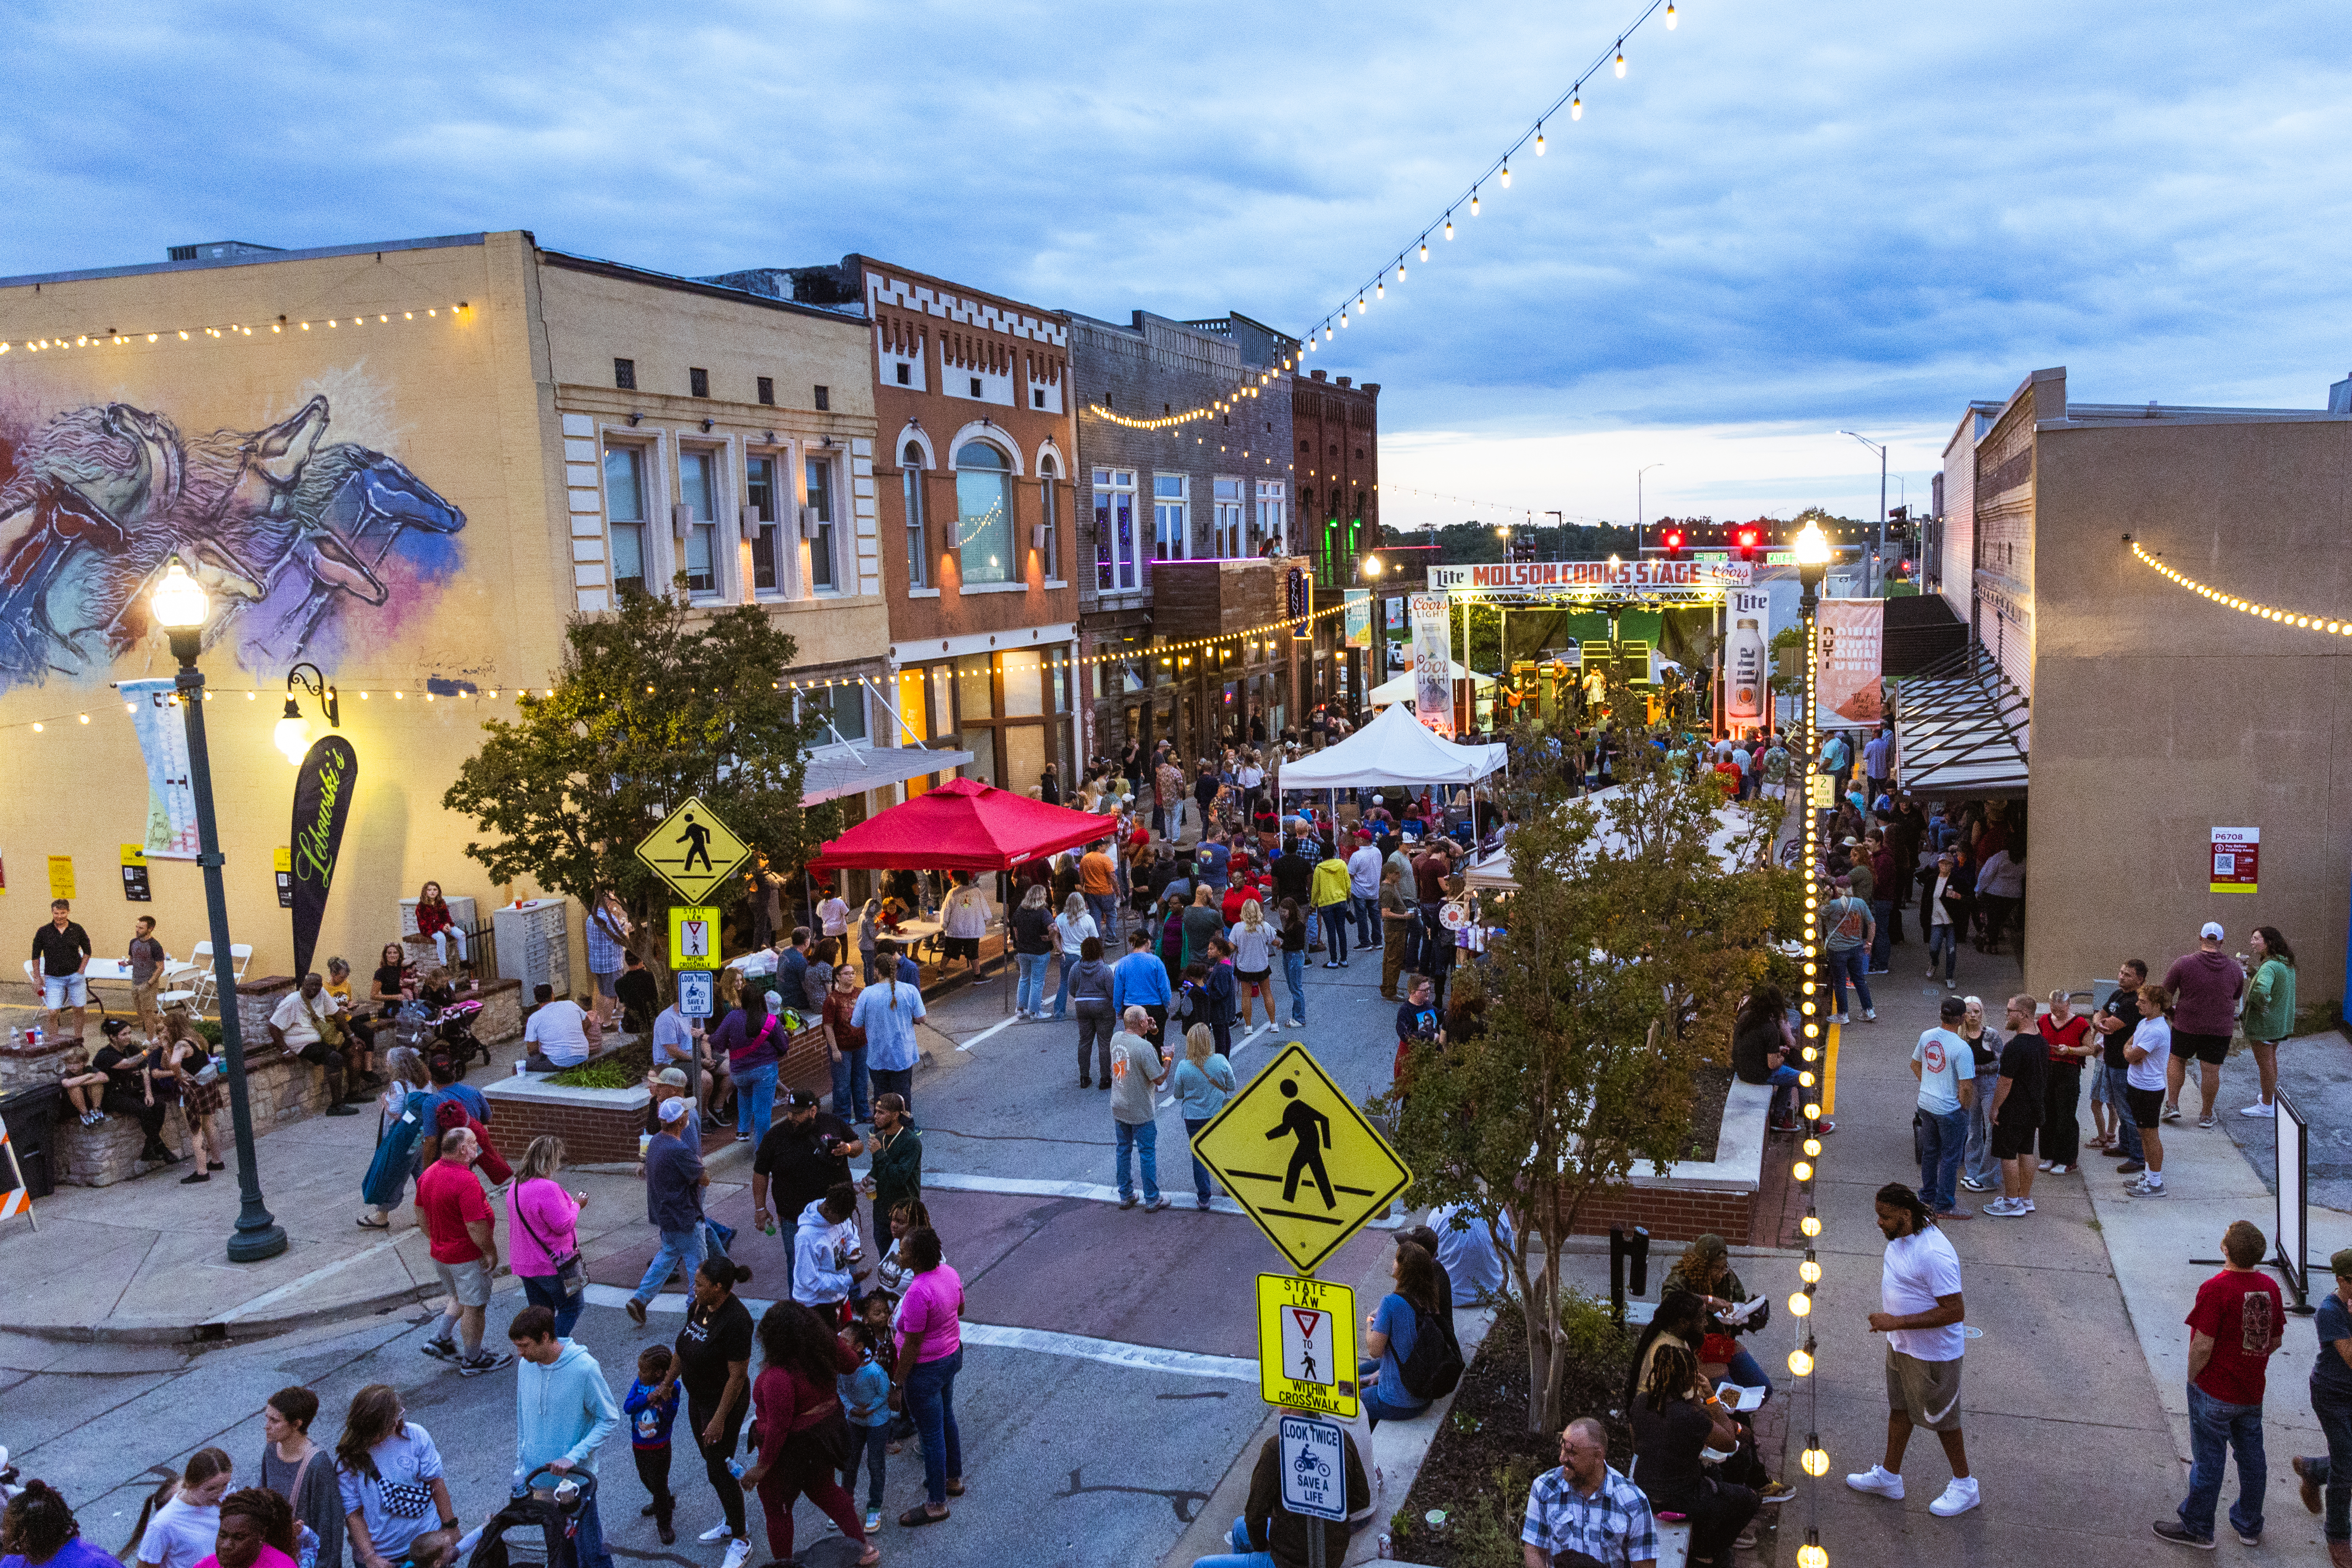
[1435,1364]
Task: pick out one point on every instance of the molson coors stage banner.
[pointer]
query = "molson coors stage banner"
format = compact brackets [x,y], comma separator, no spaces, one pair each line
[1684,576]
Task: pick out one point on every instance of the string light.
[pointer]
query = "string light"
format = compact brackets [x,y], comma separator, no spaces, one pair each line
[1810,1555]
[114,338]
[1816,1462]
[1540,141]
[1507,173]
[2331,624]
[1673,21]
[1576,109]
[1621,59]
[1473,204]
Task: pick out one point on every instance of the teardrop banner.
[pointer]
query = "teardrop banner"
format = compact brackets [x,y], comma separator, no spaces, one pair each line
[322,804]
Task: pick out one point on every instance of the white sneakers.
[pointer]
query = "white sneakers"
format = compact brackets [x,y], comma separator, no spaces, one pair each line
[738,1551]
[1958,1497]
[2259,1108]
[716,1533]
[1870,1015]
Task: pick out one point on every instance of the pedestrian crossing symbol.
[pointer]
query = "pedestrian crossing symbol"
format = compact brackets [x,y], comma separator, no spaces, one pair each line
[693,851]
[1307,1344]
[1301,1160]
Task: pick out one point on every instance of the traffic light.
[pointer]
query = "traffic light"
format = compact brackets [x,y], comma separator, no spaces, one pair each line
[1670,539]
[1747,538]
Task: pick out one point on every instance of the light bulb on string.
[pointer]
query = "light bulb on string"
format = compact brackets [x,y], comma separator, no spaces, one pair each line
[1810,1225]
[1449,226]
[1473,201]
[1540,141]
[1671,20]
[1810,1555]
[1816,1462]
[1380,290]
[1575,106]
[1507,173]
[1425,247]
[1621,59]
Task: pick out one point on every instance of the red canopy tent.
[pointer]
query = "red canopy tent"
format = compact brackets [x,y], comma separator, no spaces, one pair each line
[962,826]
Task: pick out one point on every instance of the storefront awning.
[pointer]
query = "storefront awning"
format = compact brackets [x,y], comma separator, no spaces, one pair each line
[837,771]
[1960,728]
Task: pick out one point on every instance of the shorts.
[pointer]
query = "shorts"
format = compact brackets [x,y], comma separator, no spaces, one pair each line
[954,947]
[2211,1049]
[1929,1392]
[2010,1142]
[65,991]
[1253,976]
[2098,1077]
[468,1284]
[604,984]
[2147,1106]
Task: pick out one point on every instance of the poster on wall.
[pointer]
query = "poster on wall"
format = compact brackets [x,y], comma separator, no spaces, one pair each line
[1358,616]
[1846,683]
[2237,859]
[283,859]
[323,805]
[163,743]
[1432,664]
[1746,697]
[135,875]
[61,882]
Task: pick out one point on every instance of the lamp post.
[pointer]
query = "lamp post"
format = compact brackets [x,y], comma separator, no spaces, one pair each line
[1870,578]
[1637,505]
[177,604]
[1812,554]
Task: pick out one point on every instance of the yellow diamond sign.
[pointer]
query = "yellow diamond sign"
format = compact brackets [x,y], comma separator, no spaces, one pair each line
[693,851]
[1300,1159]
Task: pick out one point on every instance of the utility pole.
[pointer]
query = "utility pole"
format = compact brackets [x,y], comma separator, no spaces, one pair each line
[1870,578]
[1637,506]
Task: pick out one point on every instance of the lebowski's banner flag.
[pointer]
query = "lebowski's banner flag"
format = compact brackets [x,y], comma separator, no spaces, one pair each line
[1432,664]
[322,804]
[163,743]
[1846,688]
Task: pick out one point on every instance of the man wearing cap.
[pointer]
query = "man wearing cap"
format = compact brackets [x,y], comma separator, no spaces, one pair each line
[665,1085]
[674,1183]
[678,1044]
[805,1155]
[2205,986]
[2330,1475]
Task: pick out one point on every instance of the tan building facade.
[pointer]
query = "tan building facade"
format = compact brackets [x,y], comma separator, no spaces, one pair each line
[408,464]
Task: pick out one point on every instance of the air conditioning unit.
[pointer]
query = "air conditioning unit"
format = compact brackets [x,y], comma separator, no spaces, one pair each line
[809,521]
[681,518]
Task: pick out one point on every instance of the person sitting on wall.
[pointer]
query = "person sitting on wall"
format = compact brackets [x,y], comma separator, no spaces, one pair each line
[558,1033]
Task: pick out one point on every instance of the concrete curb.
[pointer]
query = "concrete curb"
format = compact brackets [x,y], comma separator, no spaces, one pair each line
[221,1330]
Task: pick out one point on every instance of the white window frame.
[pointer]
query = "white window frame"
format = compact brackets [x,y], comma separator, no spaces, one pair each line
[1172,516]
[1111,485]
[1270,510]
[778,534]
[913,503]
[1050,516]
[1229,515]
[824,560]
[715,496]
[643,522]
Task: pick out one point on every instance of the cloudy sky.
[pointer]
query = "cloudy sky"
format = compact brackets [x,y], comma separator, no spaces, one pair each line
[1784,220]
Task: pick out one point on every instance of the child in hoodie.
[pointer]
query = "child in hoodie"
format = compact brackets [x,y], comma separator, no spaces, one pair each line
[865,1400]
[825,1246]
[649,1424]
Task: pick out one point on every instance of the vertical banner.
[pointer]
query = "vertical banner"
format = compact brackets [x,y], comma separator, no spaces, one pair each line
[322,804]
[1433,663]
[2237,860]
[162,733]
[1747,696]
[1358,616]
[1847,686]
[135,875]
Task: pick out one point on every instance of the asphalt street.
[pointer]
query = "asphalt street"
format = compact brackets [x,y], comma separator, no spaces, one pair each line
[1108,1378]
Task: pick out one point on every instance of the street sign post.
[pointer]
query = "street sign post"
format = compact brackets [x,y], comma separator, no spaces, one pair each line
[697,990]
[693,851]
[693,936]
[1307,1344]
[1314,1468]
[1301,1159]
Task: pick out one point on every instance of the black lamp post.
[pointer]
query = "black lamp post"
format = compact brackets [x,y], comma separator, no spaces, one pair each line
[177,604]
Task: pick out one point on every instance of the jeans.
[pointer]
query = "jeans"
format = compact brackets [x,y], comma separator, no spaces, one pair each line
[1784,1083]
[1294,980]
[1367,919]
[899,1081]
[1094,1031]
[1030,997]
[541,1291]
[1138,1138]
[755,1100]
[1376,1409]
[589,1542]
[1104,906]
[1200,1172]
[2127,1130]
[1854,962]
[1945,1137]
[875,1441]
[1335,932]
[2214,1429]
[1882,946]
[679,1249]
[930,1399]
[1743,1369]
[1069,966]
[443,940]
[853,1087]
[1243,1555]
[1944,939]
[1980,1166]
[2334,1472]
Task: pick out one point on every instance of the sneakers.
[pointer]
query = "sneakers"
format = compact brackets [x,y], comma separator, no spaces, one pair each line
[1931,972]
[2005,1208]
[2026,1204]
[738,1552]
[1773,1492]
[484,1363]
[1162,1202]
[2259,1108]
[873,1519]
[2206,1123]
[2059,1169]
[2171,1113]
[2175,1532]
[1976,1186]
[1878,1479]
[1958,1497]
[1201,1203]
[439,1348]
[1838,1018]
[1128,1200]
[1870,1015]
[2045,1164]
[637,1311]
[2140,1189]
[716,1532]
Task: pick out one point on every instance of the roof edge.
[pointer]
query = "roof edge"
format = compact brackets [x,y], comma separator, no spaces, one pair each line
[140,269]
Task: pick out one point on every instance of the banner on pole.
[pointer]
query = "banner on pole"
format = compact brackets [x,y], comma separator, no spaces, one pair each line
[1846,686]
[1432,664]
[1359,618]
[162,733]
[323,805]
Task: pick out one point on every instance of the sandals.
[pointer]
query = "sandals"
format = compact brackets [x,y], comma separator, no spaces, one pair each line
[366,1223]
[918,1516]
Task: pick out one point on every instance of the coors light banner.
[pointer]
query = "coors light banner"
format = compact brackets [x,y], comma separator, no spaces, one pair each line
[322,804]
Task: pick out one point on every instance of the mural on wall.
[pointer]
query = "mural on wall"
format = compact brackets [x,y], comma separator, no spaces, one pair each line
[308,550]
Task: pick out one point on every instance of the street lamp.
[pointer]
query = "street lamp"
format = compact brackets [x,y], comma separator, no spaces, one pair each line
[1870,578]
[1811,550]
[177,604]
[1637,504]
[293,735]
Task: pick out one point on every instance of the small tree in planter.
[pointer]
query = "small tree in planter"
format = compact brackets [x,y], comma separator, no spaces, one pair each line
[654,703]
[1627,949]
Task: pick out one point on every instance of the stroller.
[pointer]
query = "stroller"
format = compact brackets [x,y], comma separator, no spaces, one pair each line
[551,1501]
[447,1032]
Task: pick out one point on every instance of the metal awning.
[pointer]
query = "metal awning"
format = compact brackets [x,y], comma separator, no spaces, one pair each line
[1960,728]
[837,771]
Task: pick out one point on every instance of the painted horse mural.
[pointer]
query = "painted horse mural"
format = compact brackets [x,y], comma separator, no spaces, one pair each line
[304,547]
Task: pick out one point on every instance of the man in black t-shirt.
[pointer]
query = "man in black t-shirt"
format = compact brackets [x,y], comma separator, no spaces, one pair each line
[2017,1109]
[129,1093]
[1418,1021]
[2114,1022]
[62,949]
[805,1154]
[639,997]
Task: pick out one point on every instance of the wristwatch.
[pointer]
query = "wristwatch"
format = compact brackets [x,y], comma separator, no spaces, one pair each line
[448,1524]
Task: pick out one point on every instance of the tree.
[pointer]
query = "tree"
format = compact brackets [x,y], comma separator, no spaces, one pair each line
[1628,947]
[653,704]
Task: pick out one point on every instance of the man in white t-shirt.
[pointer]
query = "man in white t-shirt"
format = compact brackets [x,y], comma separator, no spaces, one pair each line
[556,1034]
[1920,1314]
[1946,1069]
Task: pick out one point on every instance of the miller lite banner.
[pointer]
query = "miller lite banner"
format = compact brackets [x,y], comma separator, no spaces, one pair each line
[322,804]
[1691,578]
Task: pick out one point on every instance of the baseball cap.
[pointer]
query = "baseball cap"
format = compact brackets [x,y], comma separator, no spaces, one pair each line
[1954,1007]
[673,1111]
[2341,1262]
[674,1077]
[802,1100]
[2210,929]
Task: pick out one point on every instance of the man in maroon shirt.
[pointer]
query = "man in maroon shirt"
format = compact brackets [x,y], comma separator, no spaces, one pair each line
[2205,988]
[2236,1326]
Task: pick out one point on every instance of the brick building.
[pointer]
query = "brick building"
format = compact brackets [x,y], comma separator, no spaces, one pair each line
[1337,458]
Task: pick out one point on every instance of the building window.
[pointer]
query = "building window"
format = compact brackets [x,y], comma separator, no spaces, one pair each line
[759,508]
[698,383]
[824,400]
[624,513]
[697,488]
[820,503]
[983,512]
[906,372]
[1049,517]
[1115,553]
[910,482]
[976,386]
[1269,526]
[1168,535]
[1036,397]
[624,374]
[838,712]
[768,389]
[1226,498]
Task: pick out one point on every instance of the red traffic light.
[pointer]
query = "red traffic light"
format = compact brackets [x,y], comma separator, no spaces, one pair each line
[1746,536]
[1670,542]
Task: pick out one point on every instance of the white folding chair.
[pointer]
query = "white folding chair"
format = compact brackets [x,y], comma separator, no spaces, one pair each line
[182,980]
[202,992]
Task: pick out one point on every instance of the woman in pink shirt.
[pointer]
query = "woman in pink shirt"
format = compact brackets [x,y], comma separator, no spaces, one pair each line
[257,1530]
[931,1354]
[543,1229]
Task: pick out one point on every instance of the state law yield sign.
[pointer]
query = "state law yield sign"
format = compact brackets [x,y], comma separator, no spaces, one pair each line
[1307,1344]
[1301,1160]
[693,851]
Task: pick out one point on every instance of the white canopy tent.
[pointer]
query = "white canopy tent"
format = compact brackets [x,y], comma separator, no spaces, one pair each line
[1393,748]
[1389,693]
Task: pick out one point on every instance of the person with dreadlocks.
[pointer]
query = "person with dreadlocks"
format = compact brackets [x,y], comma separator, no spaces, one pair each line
[38,1530]
[1920,1314]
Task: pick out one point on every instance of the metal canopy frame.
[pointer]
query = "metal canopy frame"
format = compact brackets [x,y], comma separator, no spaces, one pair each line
[1961,728]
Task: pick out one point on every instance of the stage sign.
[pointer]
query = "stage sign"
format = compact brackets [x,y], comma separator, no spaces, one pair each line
[1704,578]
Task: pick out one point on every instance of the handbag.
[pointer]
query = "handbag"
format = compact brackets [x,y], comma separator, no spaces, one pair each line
[571,1269]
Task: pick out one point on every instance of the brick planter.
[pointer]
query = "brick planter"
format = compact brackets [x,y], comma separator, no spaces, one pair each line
[600,1126]
[1696,1198]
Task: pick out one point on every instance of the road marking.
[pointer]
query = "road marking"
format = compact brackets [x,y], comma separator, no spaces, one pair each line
[1091,1192]
[993,1028]
[1246,1039]
[1045,1341]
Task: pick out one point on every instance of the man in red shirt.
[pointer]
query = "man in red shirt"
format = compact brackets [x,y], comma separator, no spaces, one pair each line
[456,1221]
[2236,1326]
[2071,1045]
[2205,986]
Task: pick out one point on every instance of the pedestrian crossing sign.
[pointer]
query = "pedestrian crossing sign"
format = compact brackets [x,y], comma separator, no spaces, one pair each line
[1301,1159]
[1307,1344]
[693,851]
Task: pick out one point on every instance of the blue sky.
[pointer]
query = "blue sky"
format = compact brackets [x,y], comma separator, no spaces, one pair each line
[1783,220]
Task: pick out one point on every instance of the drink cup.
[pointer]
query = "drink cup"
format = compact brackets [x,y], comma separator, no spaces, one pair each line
[644,1144]
[518,1069]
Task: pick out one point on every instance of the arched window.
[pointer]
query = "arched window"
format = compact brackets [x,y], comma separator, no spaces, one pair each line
[1049,553]
[984,512]
[910,480]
